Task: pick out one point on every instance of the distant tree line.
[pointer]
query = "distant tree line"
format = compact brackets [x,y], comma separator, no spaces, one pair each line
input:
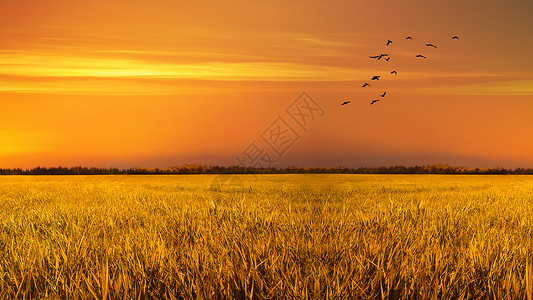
[202,169]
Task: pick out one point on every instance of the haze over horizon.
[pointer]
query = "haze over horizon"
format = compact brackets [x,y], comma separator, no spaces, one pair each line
[165,83]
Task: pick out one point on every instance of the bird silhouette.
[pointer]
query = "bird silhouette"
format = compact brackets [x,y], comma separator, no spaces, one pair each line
[408,38]
[375,78]
[383,95]
[419,55]
[455,38]
[378,56]
[366,84]
[374,101]
[431,45]
[394,73]
[389,42]
[387,59]
[345,102]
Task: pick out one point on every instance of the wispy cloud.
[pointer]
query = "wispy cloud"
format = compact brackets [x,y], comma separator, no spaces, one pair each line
[502,87]
[27,72]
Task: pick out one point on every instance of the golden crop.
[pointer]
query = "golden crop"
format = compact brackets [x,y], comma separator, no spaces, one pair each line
[266,236]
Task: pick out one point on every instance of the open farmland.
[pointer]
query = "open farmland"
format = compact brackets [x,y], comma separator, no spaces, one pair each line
[267,236]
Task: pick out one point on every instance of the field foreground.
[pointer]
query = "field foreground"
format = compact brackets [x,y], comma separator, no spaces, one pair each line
[270,236]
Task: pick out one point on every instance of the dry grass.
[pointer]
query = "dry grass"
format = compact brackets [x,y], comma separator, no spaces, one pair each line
[278,236]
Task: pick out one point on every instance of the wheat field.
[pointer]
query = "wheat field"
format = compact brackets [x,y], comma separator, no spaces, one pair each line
[266,237]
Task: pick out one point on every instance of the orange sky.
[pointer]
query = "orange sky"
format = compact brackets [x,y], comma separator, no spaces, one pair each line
[160,83]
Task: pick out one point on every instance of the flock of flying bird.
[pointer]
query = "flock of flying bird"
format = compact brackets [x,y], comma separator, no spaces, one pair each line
[387,58]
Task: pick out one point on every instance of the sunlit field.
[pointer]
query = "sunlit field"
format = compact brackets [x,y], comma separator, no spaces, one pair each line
[269,236]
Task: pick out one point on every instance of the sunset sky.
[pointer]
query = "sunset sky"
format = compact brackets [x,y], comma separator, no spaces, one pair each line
[166,83]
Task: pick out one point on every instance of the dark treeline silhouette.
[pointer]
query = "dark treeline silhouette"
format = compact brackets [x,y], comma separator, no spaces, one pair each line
[202,169]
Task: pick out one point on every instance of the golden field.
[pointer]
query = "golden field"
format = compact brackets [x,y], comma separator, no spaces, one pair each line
[266,236]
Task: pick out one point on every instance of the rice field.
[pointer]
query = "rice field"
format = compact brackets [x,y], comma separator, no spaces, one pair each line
[266,237]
